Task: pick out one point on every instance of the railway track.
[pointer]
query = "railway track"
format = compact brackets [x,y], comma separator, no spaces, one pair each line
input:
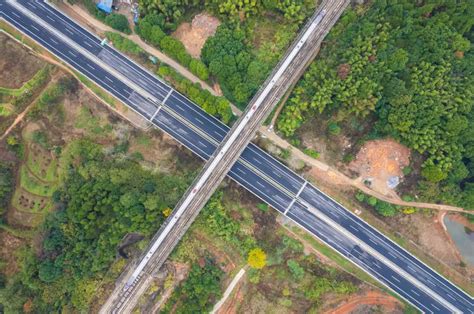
[287,72]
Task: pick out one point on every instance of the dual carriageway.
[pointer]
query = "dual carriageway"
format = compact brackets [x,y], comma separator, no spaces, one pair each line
[255,170]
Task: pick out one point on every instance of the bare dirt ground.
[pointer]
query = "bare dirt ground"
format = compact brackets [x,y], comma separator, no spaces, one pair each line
[380,160]
[13,73]
[193,35]
[428,233]
[9,244]
[368,302]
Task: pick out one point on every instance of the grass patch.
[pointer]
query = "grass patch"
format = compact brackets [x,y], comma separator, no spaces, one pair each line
[39,165]
[6,110]
[143,140]
[35,81]
[19,233]
[29,203]
[336,257]
[96,89]
[87,121]
[33,185]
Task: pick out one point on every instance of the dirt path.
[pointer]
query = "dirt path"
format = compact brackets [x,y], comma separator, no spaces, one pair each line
[18,119]
[229,290]
[83,16]
[336,177]
[371,298]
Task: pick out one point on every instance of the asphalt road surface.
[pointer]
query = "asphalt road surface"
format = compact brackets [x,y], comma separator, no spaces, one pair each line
[257,171]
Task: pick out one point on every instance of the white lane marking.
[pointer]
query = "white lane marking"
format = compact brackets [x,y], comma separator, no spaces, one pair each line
[392,255]
[69,31]
[162,103]
[353,228]
[50,18]
[202,144]
[435,307]
[414,292]
[395,278]
[109,79]
[370,239]
[296,197]
[256,160]
[85,42]
[260,184]
[54,41]
[90,66]
[241,171]
[72,53]
[199,120]
[35,28]
[13,13]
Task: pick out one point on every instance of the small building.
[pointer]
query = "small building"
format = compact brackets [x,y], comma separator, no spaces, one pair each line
[105,6]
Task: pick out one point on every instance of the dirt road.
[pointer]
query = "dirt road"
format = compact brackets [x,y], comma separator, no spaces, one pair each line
[372,298]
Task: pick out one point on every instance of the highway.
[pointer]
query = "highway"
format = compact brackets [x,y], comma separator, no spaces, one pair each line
[255,170]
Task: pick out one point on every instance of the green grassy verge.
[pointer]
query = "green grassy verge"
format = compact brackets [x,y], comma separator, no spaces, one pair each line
[96,89]
[36,80]
[33,185]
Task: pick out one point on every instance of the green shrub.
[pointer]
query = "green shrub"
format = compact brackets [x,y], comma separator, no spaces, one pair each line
[360,196]
[295,269]
[311,152]
[334,128]
[118,22]
[407,170]
[385,209]
[263,207]
[371,200]
[199,69]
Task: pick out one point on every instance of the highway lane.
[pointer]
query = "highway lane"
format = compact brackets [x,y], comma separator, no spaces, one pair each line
[357,255]
[128,96]
[176,102]
[382,244]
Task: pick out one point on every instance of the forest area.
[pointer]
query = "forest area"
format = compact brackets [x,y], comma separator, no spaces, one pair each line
[409,68]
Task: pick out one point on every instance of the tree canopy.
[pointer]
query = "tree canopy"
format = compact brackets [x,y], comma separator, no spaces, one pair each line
[409,65]
[101,200]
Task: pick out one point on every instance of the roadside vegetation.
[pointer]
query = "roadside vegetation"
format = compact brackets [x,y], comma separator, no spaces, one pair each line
[117,21]
[214,105]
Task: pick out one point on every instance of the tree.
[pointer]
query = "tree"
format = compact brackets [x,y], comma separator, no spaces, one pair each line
[433,173]
[48,271]
[199,291]
[118,22]
[198,68]
[257,258]
[385,209]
